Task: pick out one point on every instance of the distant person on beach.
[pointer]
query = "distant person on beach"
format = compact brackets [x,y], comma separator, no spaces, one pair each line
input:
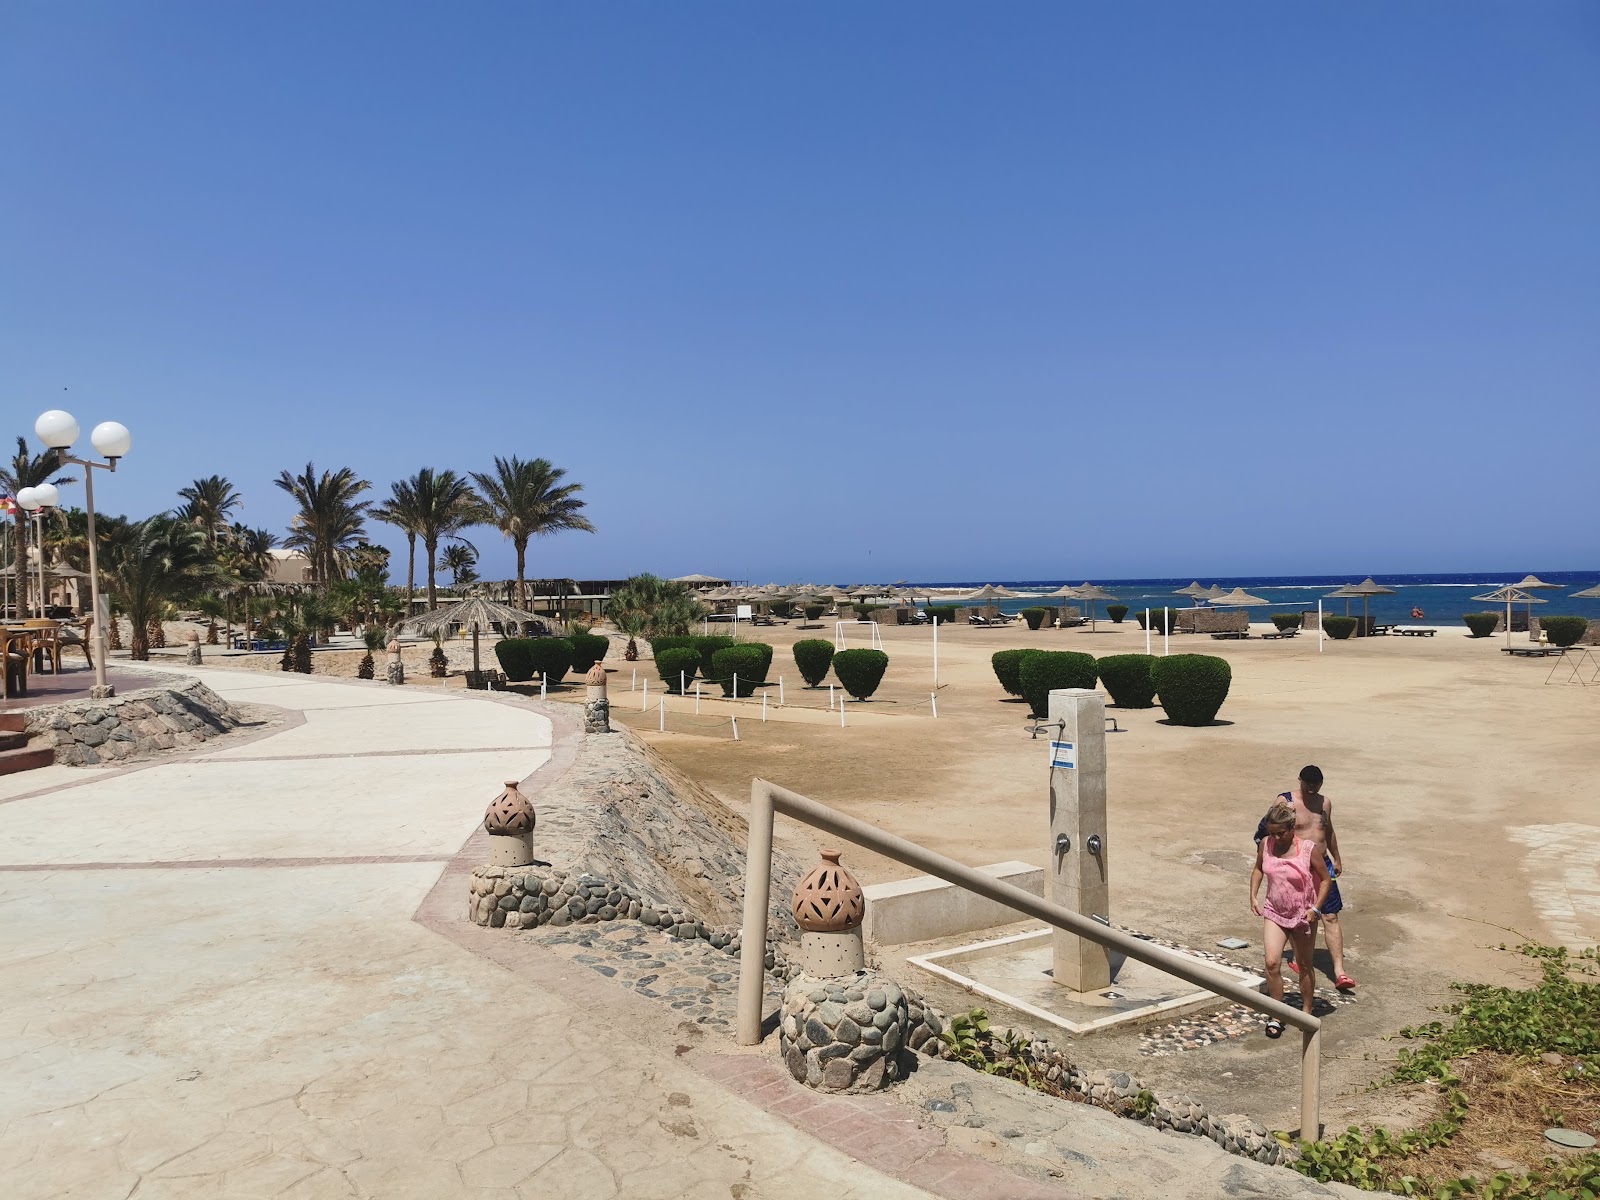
[1297,886]
[1313,822]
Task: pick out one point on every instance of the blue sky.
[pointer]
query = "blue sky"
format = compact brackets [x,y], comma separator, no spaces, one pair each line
[920,290]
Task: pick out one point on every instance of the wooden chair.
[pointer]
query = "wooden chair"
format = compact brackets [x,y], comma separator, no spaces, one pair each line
[46,635]
[71,639]
[16,648]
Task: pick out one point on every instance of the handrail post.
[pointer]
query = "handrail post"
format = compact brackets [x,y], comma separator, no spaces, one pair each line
[757,896]
[1310,1081]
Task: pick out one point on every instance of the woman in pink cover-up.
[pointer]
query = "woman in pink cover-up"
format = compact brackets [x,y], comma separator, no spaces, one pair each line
[1297,884]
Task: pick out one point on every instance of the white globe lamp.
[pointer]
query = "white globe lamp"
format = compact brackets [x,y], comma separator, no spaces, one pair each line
[112,439]
[46,495]
[27,497]
[56,429]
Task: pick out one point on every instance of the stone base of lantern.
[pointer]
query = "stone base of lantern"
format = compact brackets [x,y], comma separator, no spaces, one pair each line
[851,1033]
[597,716]
[830,955]
[395,672]
[510,849]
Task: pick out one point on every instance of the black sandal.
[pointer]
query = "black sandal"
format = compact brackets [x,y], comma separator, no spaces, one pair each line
[1274,1027]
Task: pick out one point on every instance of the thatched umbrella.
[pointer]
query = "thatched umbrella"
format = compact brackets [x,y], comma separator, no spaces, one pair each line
[476,614]
[1238,598]
[1195,591]
[1092,592]
[1215,590]
[1592,593]
[1513,594]
[1367,589]
[1346,593]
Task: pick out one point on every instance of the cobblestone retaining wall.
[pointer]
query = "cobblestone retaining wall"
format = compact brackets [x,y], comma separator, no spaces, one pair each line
[88,733]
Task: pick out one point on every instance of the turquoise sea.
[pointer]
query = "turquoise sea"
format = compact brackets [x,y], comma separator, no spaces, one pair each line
[1444,599]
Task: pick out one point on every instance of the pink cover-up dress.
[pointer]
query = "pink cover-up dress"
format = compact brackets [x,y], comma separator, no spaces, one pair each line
[1291,887]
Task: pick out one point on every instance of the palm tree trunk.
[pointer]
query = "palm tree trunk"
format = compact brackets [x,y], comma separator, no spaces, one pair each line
[431,547]
[522,572]
[411,570]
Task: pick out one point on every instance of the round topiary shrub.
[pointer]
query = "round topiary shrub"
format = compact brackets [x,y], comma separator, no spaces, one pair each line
[813,656]
[1162,620]
[1116,612]
[515,659]
[743,664]
[1128,680]
[814,611]
[1035,616]
[1043,671]
[860,671]
[863,611]
[673,641]
[707,647]
[678,666]
[1564,630]
[1007,669]
[1339,628]
[943,613]
[1480,625]
[1192,687]
[587,649]
[552,657]
[1288,620]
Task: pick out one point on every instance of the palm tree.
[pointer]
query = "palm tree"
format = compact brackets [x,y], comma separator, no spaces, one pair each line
[247,552]
[330,519]
[460,560]
[400,510]
[24,471]
[210,502]
[163,559]
[446,504]
[528,499]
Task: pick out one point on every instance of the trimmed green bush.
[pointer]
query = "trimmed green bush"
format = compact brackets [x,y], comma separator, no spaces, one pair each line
[863,611]
[744,663]
[1564,630]
[1035,616]
[1043,671]
[814,611]
[860,671]
[1192,687]
[1007,667]
[673,641]
[515,659]
[1157,616]
[707,648]
[1288,620]
[945,613]
[552,657]
[587,649]
[1480,624]
[813,656]
[678,666]
[1339,628]
[1128,680]
[1116,612]
[782,608]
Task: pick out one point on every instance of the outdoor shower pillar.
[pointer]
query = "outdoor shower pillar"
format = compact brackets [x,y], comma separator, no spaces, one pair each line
[1079,874]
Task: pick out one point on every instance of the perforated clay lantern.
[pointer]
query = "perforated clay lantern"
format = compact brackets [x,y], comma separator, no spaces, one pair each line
[509,821]
[596,706]
[828,906]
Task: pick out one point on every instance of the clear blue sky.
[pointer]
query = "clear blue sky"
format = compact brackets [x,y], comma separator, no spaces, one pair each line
[923,290]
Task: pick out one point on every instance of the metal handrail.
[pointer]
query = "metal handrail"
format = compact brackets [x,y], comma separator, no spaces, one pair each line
[768,798]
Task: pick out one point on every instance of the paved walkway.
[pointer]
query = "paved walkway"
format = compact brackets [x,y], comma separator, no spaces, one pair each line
[211,985]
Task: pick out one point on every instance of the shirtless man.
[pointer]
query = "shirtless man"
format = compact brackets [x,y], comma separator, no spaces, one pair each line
[1313,821]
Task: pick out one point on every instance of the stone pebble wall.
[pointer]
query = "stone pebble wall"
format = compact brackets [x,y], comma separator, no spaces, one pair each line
[87,733]
[851,1034]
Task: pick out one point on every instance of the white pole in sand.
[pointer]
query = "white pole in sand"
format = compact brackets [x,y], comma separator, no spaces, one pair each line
[663,726]
[736,685]
[544,688]
[763,706]
[1319,626]
[735,728]
[933,699]
[697,697]
[841,712]
[683,683]
[1166,632]
[1147,631]
[830,697]
[644,704]
[780,691]
[633,686]
[936,653]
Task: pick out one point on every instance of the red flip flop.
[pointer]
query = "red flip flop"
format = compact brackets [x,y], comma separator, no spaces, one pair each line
[1344,983]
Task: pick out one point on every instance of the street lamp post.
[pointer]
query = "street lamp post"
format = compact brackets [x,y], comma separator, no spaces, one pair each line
[59,430]
[36,501]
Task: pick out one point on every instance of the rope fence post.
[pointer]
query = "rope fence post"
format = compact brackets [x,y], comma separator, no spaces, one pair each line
[763,706]
[735,721]
[830,697]
[1147,631]
[544,688]
[841,712]
[697,697]
[644,704]
[780,691]
[662,727]
[933,699]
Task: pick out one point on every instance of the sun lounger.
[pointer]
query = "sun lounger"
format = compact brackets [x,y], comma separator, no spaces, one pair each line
[1272,637]
[1414,631]
[1531,651]
[1232,635]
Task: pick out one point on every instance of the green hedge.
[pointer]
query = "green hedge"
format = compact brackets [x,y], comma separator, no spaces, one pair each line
[1339,628]
[1156,619]
[678,665]
[1192,687]
[587,649]
[1481,624]
[1007,667]
[813,656]
[1288,620]
[707,647]
[515,660]
[743,664]
[1564,630]
[814,611]
[552,657]
[1128,680]
[1043,671]
[1035,616]
[673,641]
[945,613]
[1116,612]
[860,671]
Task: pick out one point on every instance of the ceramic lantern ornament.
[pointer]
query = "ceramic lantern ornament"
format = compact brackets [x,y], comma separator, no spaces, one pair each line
[596,705]
[829,908]
[509,821]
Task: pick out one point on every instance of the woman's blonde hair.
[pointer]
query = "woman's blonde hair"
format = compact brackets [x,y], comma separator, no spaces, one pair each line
[1280,814]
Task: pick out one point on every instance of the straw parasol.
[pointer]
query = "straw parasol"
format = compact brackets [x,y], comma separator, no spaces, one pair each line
[1346,593]
[1092,592]
[1215,590]
[1238,598]
[476,614]
[1195,591]
[1509,595]
[1367,589]
[1592,593]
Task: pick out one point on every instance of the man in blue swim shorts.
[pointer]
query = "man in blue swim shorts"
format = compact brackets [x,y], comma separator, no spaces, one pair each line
[1313,817]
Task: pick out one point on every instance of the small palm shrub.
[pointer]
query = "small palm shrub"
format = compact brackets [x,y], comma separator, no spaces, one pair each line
[1162,620]
[678,666]
[438,663]
[1128,680]
[552,657]
[1480,624]
[1288,620]
[1044,671]
[1035,616]
[944,613]
[301,649]
[1116,612]
[1007,669]
[706,648]
[375,637]
[674,641]
[813,656]
[860,671]
[587,649]
[366,668]
[515,659]
[1339,628]
[743,665]
[1564,631]
[1192,687]
[814,611]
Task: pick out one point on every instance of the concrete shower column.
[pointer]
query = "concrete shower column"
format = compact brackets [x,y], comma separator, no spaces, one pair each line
[1079,857]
